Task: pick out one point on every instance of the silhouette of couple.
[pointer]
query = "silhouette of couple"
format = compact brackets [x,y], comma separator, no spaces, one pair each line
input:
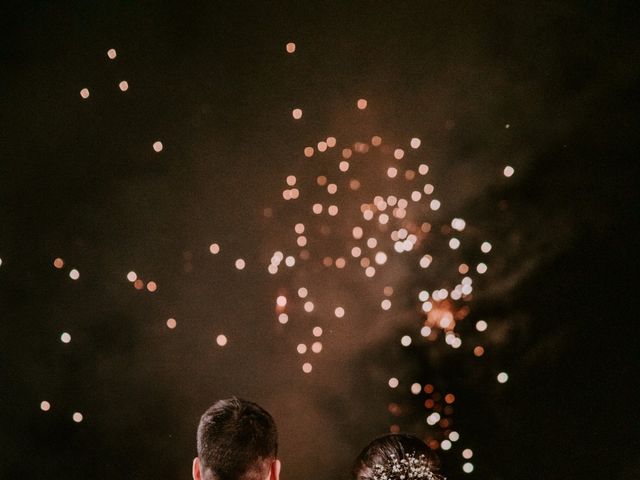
[238,440]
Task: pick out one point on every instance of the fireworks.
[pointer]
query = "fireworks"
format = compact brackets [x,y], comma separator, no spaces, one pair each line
[361,239]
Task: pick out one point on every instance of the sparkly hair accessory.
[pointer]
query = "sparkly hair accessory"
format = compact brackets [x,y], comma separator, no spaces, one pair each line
[408,468]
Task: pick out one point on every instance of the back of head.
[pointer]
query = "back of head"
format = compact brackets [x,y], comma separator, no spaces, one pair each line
[237,440]
[406,452]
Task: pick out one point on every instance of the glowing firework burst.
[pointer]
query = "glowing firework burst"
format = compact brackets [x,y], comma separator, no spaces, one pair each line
[358,218]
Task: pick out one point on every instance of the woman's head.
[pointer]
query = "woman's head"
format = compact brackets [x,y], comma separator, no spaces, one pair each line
[398,449]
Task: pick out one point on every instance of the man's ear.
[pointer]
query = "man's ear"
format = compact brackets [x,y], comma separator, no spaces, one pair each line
[195,471]
[274,474]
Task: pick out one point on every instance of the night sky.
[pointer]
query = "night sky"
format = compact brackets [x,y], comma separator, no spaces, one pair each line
[526,118]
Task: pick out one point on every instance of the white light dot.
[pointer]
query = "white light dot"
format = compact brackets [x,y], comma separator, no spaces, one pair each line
[416,388]
[339,312]
[157,146]
[445,445]
[393,382]
[65,337]
[481,268]
[485,247]
[296,113]
[84,93]
[308,307]
[454,244]
[290,47]
[433,418]
[467,467]
[385,304]
[317,331]
[111,53]
[481,325]
[502,377]
[307,367]
[381,258]
[171,323]
[415,142]
[467,453]
[454,436]
[283,318]
[425,261]
[221,340]
[45,406]
[425,331]
[281,301]
[132,276]
[124,85]
[362,104]
[405,341]
[240,264]
[74,274]
[316,347]
[435,204]
[214,248]
[458,224]
[508,171]
[301,348]
[77,417]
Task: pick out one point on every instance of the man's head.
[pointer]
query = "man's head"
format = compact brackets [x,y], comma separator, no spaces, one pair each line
[237,440]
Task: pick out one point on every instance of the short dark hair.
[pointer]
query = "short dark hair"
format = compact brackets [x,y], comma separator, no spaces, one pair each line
[382,451]
[237,440]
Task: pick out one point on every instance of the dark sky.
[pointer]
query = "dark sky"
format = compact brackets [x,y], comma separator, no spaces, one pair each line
[549,88]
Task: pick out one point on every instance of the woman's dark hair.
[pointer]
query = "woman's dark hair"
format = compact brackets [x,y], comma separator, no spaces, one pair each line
[384,449]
